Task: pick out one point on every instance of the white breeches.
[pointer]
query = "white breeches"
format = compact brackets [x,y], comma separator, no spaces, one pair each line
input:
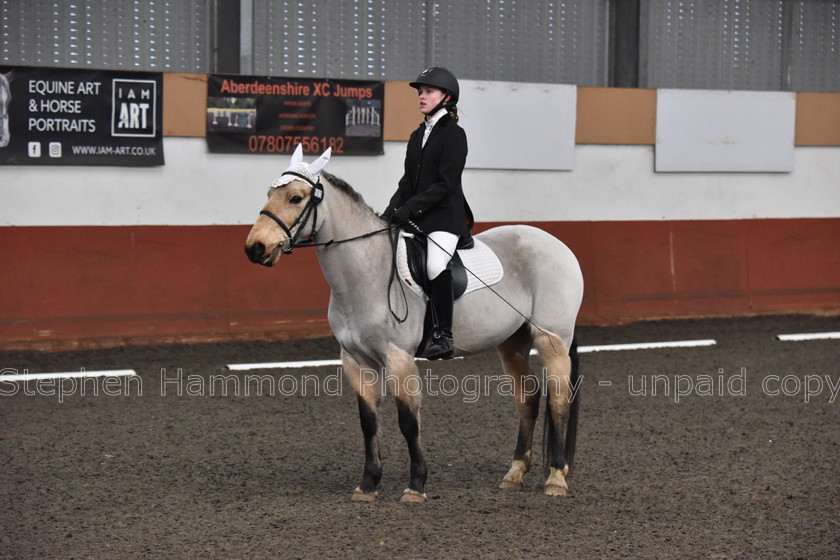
[440,247]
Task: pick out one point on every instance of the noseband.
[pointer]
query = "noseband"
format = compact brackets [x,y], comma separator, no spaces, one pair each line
[291,241]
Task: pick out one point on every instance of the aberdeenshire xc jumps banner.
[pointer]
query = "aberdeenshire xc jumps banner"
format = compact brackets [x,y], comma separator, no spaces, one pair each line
[52,116]
[265,115]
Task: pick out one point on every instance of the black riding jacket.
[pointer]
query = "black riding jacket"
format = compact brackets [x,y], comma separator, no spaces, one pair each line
[431,185]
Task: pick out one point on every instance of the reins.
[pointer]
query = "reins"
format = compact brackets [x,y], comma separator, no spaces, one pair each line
[332,242]
[294,244]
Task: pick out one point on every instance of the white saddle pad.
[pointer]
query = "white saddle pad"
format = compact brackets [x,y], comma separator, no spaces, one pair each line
[482,265]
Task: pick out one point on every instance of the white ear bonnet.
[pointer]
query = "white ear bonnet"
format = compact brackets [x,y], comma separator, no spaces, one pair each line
[298,169]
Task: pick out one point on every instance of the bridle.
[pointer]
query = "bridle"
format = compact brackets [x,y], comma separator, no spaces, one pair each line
[291,242]
[311,208]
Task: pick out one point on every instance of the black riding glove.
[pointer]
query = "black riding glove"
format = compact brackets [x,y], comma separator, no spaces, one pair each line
[400,216]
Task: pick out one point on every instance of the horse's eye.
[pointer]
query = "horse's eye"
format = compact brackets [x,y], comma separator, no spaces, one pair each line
[296,199]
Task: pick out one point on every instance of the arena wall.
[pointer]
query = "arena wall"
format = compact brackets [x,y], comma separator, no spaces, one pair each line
[98,256]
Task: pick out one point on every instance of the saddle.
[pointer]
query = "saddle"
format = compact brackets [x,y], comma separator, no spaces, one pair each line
[415,251]
[474,265]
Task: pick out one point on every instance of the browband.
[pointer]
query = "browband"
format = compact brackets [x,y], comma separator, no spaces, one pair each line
[317,188]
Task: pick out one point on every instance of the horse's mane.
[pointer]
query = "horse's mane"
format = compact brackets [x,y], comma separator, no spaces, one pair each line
[344,187]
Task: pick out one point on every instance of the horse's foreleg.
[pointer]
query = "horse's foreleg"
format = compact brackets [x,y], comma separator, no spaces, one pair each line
[514,356]
[557,368]
[404,382]
[365,384]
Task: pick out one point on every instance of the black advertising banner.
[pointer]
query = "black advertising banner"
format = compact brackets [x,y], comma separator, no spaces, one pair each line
[265,115]
[53,116]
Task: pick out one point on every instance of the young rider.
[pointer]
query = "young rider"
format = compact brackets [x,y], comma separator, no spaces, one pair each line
[430,194]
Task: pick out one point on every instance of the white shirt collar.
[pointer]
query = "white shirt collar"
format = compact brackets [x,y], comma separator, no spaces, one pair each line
[432,121]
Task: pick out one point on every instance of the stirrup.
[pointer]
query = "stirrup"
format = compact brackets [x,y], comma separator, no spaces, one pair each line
[441,347]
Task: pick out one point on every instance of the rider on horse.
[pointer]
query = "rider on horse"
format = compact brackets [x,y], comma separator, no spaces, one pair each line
[431,197]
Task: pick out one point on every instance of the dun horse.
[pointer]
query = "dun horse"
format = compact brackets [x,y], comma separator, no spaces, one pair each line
[535,304]
[5,99]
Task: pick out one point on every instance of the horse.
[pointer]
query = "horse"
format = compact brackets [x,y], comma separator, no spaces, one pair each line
[535,304]
[5,99]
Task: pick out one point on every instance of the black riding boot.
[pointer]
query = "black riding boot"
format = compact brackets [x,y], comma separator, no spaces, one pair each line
[441,345]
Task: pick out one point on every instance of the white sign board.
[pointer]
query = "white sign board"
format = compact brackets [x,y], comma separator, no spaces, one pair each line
[705,130]
[512,125]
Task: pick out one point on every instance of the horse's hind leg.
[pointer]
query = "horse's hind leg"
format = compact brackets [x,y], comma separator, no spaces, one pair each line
[560,387]
[365,385]
[514,354]
[405,384]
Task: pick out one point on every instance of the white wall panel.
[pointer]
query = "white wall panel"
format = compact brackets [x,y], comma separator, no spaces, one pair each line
[519,125]
[609,183]
[699,130]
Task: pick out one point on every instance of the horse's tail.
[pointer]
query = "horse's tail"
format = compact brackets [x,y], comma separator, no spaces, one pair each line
[571,428]
[549,433]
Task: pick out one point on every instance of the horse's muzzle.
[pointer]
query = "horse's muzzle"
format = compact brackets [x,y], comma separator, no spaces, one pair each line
[256,254]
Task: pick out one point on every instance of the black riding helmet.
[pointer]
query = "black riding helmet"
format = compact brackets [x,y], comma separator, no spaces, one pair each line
[441,78]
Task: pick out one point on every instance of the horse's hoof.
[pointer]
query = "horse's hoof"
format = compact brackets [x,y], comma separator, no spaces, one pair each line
[360,496]
[556,485]
[554,490]
[412,497]
[512,486]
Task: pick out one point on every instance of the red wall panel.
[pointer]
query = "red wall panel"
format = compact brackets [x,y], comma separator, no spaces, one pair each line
[64,286]
[151,283]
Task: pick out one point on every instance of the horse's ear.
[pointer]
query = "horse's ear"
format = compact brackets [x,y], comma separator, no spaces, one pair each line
[297,156]
[316,166]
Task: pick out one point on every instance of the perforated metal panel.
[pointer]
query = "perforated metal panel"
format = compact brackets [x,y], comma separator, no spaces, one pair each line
[814,62]
[361,39]
[163,35]
[717,44]
[524,41]
[728,44]
[741,44]
[514,40]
